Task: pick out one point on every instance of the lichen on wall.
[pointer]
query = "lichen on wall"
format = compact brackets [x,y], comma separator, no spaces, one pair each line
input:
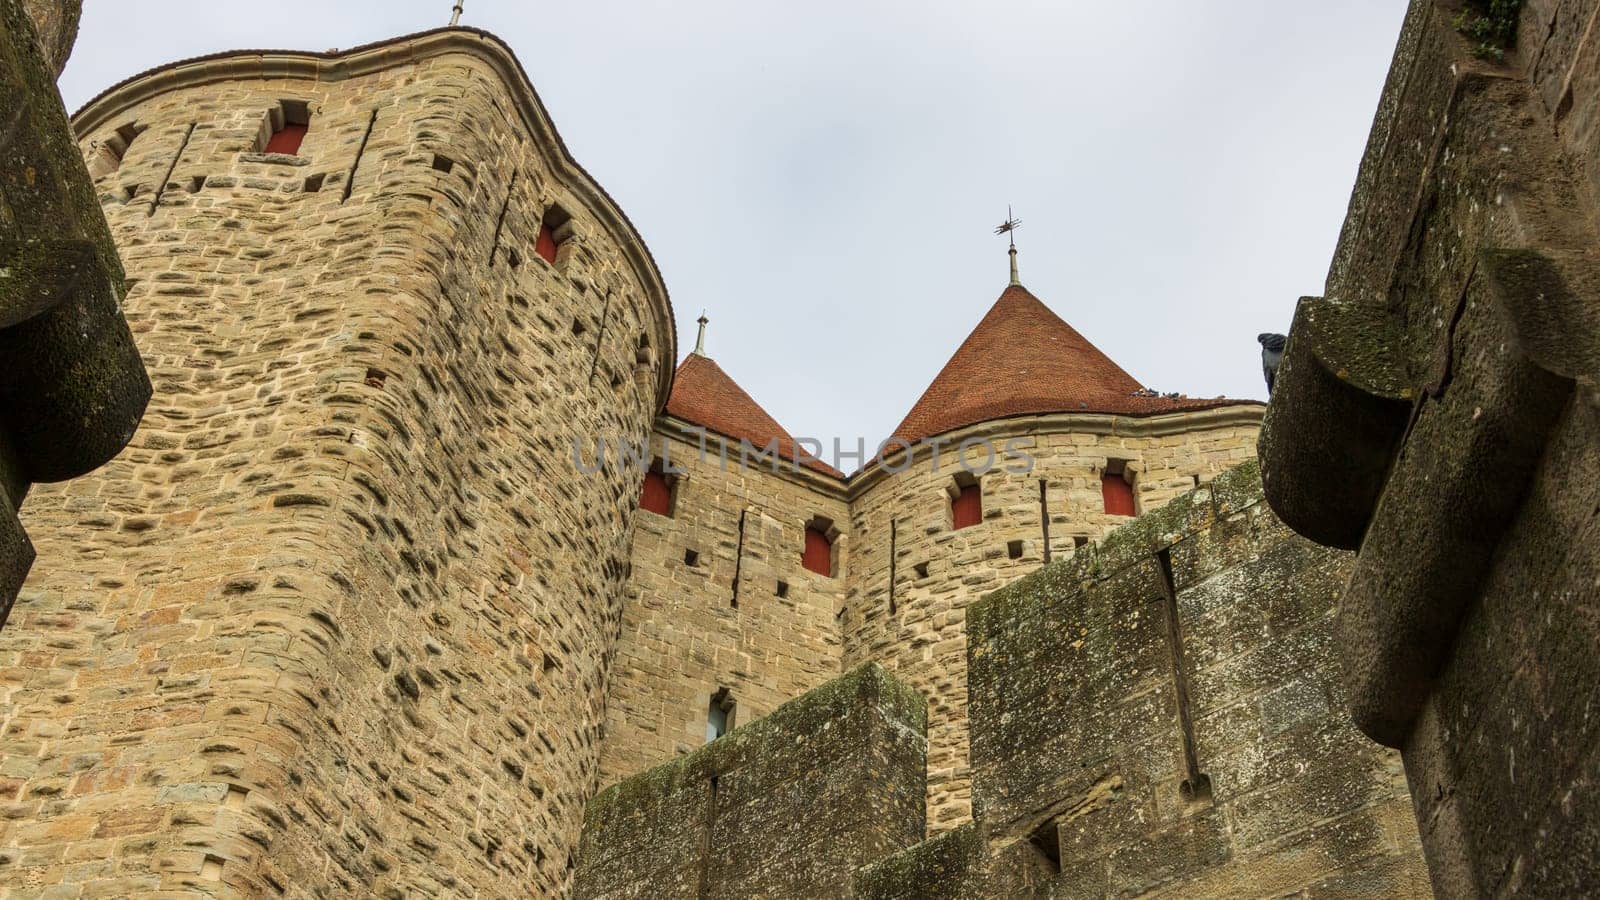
[1159,714]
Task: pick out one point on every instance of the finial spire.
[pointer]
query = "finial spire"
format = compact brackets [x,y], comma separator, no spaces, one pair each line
[1009,227]
[700,340]
[455,16]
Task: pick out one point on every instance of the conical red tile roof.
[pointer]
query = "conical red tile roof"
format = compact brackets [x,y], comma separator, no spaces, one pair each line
[1022,359]
[705,395]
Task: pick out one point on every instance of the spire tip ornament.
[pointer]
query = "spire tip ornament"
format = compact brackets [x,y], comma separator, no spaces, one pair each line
[1009,227]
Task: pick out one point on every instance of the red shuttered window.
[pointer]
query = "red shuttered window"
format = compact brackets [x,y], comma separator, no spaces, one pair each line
[287,139]
[818,556]
[657,495]
[546,246]
[1118,494]
[967,508]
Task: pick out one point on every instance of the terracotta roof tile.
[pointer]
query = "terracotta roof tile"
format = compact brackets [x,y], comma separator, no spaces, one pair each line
[704,394]
[1022,359]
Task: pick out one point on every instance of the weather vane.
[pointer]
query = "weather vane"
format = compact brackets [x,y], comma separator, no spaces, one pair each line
[700,341]
[1009,227]
[455,16]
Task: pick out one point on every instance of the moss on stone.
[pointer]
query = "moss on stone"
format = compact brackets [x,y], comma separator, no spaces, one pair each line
[869,684]
[942,866]
[1229,494]
[1492,25]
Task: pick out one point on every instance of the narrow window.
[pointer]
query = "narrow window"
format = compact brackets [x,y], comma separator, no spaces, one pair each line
[966,503]
[1014,550]
[547,246]
[1047,840]
[719,715]
[554,230]
[115,148]
[1116,486]
[289,121]
[659,488]
[818,554]
[782,590]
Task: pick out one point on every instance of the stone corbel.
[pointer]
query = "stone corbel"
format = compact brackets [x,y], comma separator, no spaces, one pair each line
[1551,301]
[1339,407]
[1473,444]
[73,387]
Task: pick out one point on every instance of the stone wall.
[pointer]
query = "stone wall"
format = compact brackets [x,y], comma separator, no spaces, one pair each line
[56,22]
[920,634]
[1446,383]
[1104,763]
[689,632]
[788,806]
[1107,763]
[336,622]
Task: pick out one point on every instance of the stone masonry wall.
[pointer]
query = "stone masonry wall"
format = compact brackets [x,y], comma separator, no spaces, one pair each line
[1107,764]
[938,571]
[685,635]
[788,806]
[1451,370]
[335,622]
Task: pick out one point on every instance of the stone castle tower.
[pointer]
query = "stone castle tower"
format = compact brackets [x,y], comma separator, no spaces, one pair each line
[906,542]
[340,614]
[349,612]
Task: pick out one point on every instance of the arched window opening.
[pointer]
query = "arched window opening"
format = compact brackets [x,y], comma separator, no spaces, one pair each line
[818,554]
[114,149]
[1116,487]
[660,490]
[719,715]
[554,230]
[966,501]
[287,123]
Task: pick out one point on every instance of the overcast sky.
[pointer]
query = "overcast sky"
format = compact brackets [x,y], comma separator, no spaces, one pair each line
[824,177]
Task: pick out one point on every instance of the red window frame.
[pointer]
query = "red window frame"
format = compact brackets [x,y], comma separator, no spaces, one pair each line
[656,494]
[1118,495]
[818,555]
[966,509]
[287,139]
[546,246]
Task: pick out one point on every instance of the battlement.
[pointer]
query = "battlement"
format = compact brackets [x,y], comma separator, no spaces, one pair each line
[1160,712]
[788,806]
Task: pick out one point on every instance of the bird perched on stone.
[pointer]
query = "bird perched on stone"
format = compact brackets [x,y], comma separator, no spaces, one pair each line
[1271,356]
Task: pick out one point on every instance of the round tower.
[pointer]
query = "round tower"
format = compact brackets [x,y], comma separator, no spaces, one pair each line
[1030,443]
[349,607]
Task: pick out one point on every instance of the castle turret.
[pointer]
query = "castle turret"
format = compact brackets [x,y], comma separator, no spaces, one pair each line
[1030,442]
[737,575]
[345,619]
